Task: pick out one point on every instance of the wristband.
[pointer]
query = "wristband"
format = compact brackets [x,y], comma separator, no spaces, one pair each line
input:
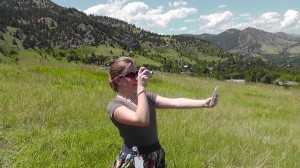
[137,95]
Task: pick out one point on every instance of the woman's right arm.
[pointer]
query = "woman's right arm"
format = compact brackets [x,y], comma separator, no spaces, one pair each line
[140,117]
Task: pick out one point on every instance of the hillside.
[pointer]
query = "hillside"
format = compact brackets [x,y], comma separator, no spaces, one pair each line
[292,37]
[253,42]
[40,29]
[42,25]
[226,40]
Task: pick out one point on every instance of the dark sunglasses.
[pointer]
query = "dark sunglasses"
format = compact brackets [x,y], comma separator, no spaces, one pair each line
[131,75]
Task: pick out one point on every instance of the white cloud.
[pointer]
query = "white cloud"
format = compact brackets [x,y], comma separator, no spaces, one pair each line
[222,6]
[291,18]
[160,19]
[150,18]
[141,14]
[216,19]
[105,9]
[269,21]
[267,18]
[177,4]
[135,8]
[239,26]
[246,15]
[190,20]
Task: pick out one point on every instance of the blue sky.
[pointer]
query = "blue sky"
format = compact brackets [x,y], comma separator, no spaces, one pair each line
[197,16]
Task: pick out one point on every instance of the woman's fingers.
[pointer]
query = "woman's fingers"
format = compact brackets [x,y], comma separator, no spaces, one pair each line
[143,72]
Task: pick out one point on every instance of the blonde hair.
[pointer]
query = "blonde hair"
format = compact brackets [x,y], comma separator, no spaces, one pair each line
[117,68]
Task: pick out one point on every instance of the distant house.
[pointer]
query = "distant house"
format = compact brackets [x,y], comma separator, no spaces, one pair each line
[288,83]
[239,81]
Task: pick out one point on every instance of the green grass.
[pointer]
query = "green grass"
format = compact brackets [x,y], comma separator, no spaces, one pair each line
[54,115]
[140,60]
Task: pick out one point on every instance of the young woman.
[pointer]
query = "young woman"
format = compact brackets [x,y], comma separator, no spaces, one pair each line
[133,113]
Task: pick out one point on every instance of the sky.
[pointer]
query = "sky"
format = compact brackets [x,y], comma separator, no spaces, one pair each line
[173,17]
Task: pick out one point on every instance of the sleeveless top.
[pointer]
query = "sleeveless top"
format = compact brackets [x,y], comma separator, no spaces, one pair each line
[135,135]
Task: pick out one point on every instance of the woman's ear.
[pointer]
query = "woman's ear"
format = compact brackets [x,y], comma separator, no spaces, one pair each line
[117,81]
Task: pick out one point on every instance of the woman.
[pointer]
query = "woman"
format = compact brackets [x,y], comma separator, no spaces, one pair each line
[133,113]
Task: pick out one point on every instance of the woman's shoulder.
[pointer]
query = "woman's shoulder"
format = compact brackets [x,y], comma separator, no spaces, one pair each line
[115,102]
[113,105]
[151,96]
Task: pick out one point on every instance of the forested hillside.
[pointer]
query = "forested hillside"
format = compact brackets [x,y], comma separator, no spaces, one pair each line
[278,48]
[66,34]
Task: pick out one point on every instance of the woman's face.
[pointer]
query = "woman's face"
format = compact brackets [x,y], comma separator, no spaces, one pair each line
[128,79]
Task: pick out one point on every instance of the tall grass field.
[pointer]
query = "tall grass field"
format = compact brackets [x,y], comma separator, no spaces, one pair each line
[54,115]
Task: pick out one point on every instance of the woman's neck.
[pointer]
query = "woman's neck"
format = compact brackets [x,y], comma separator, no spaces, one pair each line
[131,96]
[127,93]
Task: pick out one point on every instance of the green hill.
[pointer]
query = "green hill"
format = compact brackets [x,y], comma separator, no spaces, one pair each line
[226,40]
[253,42]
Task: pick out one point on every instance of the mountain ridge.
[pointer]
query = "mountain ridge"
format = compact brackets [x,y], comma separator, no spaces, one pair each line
[252,42]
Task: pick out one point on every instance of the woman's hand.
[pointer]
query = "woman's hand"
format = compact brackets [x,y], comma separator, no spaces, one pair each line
[214,103]
[143,77]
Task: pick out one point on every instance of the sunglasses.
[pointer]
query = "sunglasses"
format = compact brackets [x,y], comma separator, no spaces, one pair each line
[131,75]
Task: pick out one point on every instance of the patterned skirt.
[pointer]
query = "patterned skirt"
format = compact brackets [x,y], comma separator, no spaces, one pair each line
[154,159]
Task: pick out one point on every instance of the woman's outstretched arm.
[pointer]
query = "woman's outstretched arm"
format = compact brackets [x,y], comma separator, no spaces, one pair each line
[182,103]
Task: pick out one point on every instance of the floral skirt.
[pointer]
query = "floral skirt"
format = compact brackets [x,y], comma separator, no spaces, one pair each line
[155,159]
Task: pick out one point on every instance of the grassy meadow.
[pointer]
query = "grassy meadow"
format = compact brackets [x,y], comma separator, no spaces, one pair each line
[54,115]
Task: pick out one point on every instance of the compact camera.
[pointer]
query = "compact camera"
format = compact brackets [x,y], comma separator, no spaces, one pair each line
[150,74]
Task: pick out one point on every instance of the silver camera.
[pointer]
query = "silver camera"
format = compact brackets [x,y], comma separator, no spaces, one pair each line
[150,74]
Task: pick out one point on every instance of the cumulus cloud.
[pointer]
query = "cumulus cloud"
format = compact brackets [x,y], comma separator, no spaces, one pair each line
[291,18]
[222,6]
[106,9]
[177,4]
[135,8]
[141,14]
[269,21]
[159,17]
[215,19]
[267,18]
[273,22]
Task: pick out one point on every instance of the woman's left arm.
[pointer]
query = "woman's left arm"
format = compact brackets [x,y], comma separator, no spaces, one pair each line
[182,103]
